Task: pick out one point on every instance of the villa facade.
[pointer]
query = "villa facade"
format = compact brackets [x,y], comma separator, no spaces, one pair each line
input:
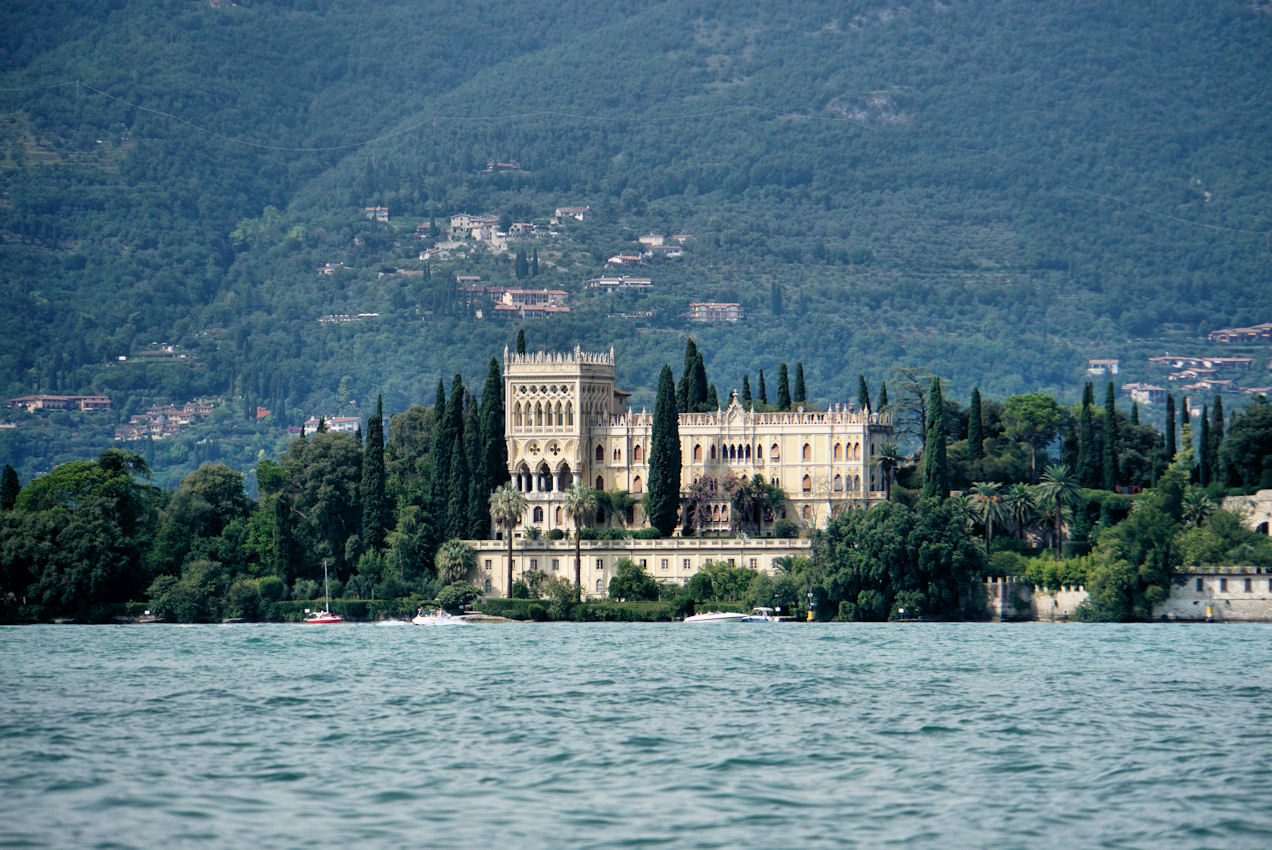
[566,423]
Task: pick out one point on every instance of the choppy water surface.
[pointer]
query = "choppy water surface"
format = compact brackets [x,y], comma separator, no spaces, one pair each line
[614,734]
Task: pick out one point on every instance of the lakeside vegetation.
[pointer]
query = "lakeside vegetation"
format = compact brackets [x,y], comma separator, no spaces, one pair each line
[1121,506]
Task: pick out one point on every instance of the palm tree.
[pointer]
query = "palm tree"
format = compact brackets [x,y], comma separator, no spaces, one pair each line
[889,458]
[455,559]
[1196,507]
[507,504]
[965,509]
[988,498]
[1019,502]
[1057,490]
[579,503]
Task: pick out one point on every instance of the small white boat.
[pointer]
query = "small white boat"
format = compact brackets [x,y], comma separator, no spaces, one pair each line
[763,615]
[437,618]
[716,617]
[324,616]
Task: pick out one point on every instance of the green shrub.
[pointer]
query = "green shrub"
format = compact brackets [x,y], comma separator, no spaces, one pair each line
[513,609]
[646,534]
[625,612]
[556,534]
[454,596]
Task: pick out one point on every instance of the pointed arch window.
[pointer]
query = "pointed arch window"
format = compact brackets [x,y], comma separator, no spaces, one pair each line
[638,453]
[807,485]
[697,451]
[600,453]
[839,451]
[638,486]
[774,452]
[569,414]
[808,451]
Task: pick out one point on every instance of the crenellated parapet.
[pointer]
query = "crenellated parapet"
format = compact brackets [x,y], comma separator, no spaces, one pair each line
[559,358]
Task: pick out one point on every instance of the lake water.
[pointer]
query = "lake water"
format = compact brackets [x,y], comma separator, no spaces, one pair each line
[552,735]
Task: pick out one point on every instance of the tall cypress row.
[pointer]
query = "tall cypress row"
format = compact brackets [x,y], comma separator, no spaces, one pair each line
[1109,466]
[375,507]
[935,480]
[662,503]
[975,429]
[783,387]
[799,393]
[863,394]
[746,391]
[761,394]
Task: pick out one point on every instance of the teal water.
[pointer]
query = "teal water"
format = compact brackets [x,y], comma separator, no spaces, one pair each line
[603,735]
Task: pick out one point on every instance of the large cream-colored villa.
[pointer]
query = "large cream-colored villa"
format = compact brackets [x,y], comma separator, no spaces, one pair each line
[566,423]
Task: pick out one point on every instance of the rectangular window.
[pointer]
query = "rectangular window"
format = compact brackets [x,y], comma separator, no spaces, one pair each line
[1223,585]
[685,564]
[556,564]
[643,563]
[1249,585]
[1201,585]
[600,563]
[732,562]
[662,564]
[752,564]
[534,563]
[487,563]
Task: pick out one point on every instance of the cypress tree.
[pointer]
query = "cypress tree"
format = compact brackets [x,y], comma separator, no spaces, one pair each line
[761,395]
[521,266]
[439,458]
[662,503]
[697,394]
[477,523]
[975,430]
[1183,414]
[1170,429]
[1110,440]
[684,401]
[10,487]
[799,394]
[375,507]
[534,264]
[521,341]
[746,391]
[863,394]
[1087,469]
[491,422]
[1135,413]
[456,524]
[713,398]
[883,395]
[783,388]
[1216,439]
[935,480]
[1202,473]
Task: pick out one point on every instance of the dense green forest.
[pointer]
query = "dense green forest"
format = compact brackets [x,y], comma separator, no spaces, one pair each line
[991,192]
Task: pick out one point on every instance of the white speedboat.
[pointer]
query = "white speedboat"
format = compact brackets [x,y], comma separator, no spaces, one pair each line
[763,615]
[437,618]
[716,617]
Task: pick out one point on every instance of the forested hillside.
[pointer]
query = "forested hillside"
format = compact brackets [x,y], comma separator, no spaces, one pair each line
[988,191]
